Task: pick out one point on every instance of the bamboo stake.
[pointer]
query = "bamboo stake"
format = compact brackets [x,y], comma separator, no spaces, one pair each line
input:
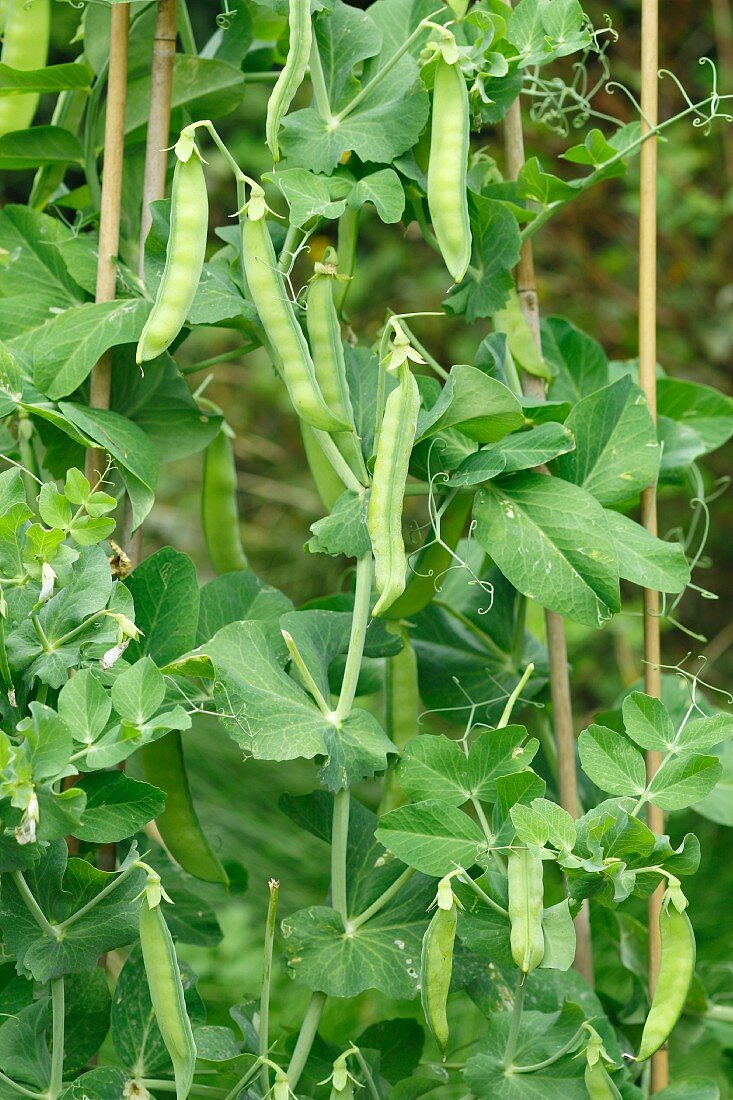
[562,708]
[109,217]
[648,383]
[723,30]
[159,118]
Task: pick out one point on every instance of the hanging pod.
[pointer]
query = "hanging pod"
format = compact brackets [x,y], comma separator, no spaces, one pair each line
[26,30]
[219,513]
[293,71]
[526,902]
[676,969]
[436,964]
[447,168]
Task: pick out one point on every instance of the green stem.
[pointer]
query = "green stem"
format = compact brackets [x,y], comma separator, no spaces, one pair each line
[346,242]
[513,1036]
[79,629]
[56,1082]
[264,1029]
[518,633]
[553,1057]
[45,644]
[33,907]
[21,1089]
[318,83]
[170,1086]
[378,77]
[511,701]
[359,624]
[382,900]
[337,461]
[483,821]
[339,849]
[185,30]
[222,357]
[307,1034]
[4,665]
[103,893]
[288,248]
[371,1087]
[305,674]
[468,881]
[431,361]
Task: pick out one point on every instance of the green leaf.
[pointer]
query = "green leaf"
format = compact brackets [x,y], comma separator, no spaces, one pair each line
[86,1018]
[683,781]
[704,733]
[48,742]
[23,1046]
[117,807]
[550,540]
[559,930]
[541,187]
[40,145]
[384,191]
[579,360]
[209,88]
[431,836]
[166,595]
[138,692]
[611,762]
[496,244]
[85,706]
[645,559]
[647,722]
[717,805]
[308,196]
[479,406]
[594,151]
[616,451]
[434,768]
[705,410]
[106,1083]
[233,597]
[344,531]
[53,78]
[520,451]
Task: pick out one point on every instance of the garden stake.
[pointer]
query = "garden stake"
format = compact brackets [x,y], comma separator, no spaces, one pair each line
[562,710]
[648,383]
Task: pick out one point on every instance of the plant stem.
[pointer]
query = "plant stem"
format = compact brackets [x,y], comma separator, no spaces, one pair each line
[305,674]
[359,624]
[188,40]
[56,1082]
[512,700]
[222,357]
[382,900]
[371,1087]
[468,881]
[110,206]
[264,1030]
[318,83]
[307,1034]
[348,236]
[93,902]
[34,908]
[21,1089]
[45,644]
[337,460]
[511,1039]
[565,1049]
[339,848]
[288,249]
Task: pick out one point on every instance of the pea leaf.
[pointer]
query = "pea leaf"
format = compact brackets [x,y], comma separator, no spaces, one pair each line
[611,762]
[645,559]
[116,807]
[344,531]
[235,596]
[701,408]
[166,595]
[550,540]
[496,244]
[431,836]
[683,781]
[580,362]
[480,407]
[519,451]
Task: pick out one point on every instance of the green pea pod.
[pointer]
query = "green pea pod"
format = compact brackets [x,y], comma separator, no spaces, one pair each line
[447,195]
[436,967]
[676,968]
[384,515]
[26,33]
[291,77]
[184,259]
[285,336]
[328,484]
[526,901]
[219,515]
[599,1084]
[433,560]
[402,697]
[324,334]
[164,766]
[166,993]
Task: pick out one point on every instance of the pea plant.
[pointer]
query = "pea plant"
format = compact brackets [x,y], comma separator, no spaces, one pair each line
[489,870]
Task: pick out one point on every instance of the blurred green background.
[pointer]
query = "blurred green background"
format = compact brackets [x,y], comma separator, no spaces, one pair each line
[587,270]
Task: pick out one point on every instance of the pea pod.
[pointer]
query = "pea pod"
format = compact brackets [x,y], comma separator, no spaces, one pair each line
[184,259]
[219,515]
[291,77]
[164,765]
[26,33]
[384,515]
[433,560]
[447,195]
[436,968]
[526,899]
[284,334]
[166,993]
[402,699]
[324,334]
[676,968]
[599,1083]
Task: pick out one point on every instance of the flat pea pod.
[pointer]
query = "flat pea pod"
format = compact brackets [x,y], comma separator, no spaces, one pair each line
[184,259]
[324,335]
[599,1083]
[291,77]
[219,514]
[164,765]
[433,560]
[166,994]
[447,195]
[526,901]
[384,514]
[676,968]
[402,698]
[284,334]
[328,484]
[436,968]
[26,33]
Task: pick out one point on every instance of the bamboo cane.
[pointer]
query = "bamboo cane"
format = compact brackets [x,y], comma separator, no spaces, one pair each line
[562,709]
[109,217]
[648,383]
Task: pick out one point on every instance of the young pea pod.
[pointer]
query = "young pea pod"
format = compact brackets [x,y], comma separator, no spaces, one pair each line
[284,334]
[402,698]
[676,968]
[436,965]
[447,195]
[164,765]
[166,994]
[526,898]
[291,77]
[219,515]
[324,334]
[26,32]
[384,515]
[599,1083]
[184,259]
